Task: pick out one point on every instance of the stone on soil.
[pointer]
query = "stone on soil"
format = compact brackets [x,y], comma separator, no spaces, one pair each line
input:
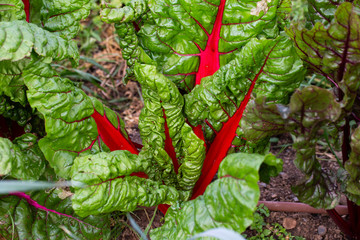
[289,223]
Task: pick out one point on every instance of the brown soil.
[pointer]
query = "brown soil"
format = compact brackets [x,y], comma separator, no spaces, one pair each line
[279,189]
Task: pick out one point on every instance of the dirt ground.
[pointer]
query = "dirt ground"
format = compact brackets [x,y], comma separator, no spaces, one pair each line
[279,189]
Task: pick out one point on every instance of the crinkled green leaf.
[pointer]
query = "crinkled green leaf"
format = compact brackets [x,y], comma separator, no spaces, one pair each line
[166,137]
[21,220]
[190,39]
[112,11]
[55,96]
[271,67]
[18,39]
[349,86]
[22,158]
[12,83]
[227,202]
[263,67]
[262,120]
[271,168]
[353,168]
[63,17]
[314,105]
[309,109]
[75,123]
[322,10]
[14,111]
[330,49]
[130,48]
[284,11]
[110,188]
[11,10]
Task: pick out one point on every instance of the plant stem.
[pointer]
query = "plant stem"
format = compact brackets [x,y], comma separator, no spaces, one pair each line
[342,224]
[351,227]
[345,148]
[27,9]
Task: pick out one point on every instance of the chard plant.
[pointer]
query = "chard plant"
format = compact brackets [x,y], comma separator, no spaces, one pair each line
[199,64]
[329,45]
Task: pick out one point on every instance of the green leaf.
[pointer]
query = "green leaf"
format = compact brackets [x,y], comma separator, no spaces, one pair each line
[75,123]
[284,12]
[309,109]
[314,105]
[270,66]
[262,120]
[21,159]
[11,10]
[111,14]
[331,49]
[55,96]
[166,137]
[110,188]
[12,84]
[18,39]
[190,39]
[14,111]
[228,202]
[63,17]
[44,215]
[271,168]
[322,10]
[352,166]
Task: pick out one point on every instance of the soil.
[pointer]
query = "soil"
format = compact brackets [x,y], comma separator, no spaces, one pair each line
[279,189]
[309,226]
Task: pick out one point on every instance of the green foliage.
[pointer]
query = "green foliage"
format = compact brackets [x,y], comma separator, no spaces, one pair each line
[330,49]
[223,54]
[22,158]
[22,220]
[107,192]
[237,173]
[12,10]
[175,36]
[265,230]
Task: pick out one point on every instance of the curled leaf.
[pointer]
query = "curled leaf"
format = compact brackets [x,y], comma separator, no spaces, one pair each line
[110,186]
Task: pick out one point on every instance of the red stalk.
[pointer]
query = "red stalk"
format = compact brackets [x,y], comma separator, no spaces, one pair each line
[342,224]
[38,206]
[209,58]
[27,9]
[222,141]
[10,129]
[163,208]
[111,136]
[169,148]
[199,133]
